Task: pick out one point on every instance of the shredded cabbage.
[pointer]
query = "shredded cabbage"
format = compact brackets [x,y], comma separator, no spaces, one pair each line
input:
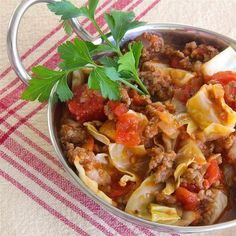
[95,133]
[170,187]
[108,129]
[91,184]
[162,213]
[185,119]
[142,197]
[132,161]
[208,106]
[190,152]
[215,131]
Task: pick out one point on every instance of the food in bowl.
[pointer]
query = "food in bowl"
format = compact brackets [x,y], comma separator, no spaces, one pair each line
[149,128]
[168,156]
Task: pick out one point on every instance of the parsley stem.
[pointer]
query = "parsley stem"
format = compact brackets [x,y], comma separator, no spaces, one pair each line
[104,37]
[131,86]
[140,83]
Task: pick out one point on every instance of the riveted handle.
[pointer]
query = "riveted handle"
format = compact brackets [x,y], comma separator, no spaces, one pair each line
[12,48]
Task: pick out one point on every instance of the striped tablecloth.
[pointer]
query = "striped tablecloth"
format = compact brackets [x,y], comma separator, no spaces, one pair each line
[36,195]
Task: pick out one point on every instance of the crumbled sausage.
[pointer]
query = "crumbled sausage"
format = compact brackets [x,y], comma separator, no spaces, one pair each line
[161,164]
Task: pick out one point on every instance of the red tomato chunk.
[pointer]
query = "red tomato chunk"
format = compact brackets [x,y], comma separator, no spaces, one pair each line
[212,174]
[87,104]
[117,108]
[127,130]
[188,199]
[228,80]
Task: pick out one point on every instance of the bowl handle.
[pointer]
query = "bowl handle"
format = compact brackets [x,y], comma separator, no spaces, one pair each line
[12,49]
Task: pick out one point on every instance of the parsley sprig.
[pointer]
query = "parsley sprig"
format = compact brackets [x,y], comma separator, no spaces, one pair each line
[107,74]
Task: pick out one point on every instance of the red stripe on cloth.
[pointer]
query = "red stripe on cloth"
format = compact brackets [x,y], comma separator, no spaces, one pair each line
[148,9]
[32,144]
[18,124]
[42,203]
[12,112]
[55,194]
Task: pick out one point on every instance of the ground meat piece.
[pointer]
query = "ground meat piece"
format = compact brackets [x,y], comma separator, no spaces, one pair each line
[159,85]
[200,52]
[166,200]
[109,113]
[69,148]
[86,159]
[206,148]
[151,110]
[229,171]
[161,164]
[72,132]
[231,153]
[151,129]
[152,44]
[193,177]
[176,58]
[170,106]
[191,54]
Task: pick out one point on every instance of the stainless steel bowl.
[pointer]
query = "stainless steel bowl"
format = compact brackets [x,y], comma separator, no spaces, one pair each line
[173,33]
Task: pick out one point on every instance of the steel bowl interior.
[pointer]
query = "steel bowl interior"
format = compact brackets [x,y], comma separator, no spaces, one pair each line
[174,34]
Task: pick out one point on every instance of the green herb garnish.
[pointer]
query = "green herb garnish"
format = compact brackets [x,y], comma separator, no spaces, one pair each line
[108,75]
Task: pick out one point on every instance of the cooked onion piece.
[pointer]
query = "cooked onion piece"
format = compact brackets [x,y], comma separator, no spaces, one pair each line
[224,61]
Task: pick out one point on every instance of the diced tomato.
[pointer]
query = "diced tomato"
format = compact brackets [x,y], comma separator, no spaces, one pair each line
[118,191]
[188,199]
[228,80]
[223,77]
[87,104]
[128,130]
[117,108]
[212,174]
